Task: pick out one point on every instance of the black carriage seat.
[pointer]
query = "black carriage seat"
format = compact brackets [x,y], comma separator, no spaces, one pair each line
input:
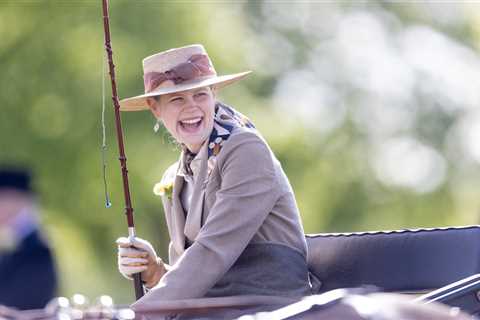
[396,261]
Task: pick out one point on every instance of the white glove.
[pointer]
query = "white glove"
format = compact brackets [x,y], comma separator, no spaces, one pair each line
[136,255]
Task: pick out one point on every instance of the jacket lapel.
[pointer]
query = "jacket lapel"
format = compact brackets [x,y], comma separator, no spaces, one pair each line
[178,216]
[194,217]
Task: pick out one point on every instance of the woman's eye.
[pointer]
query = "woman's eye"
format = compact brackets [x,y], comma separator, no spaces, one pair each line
[176,100]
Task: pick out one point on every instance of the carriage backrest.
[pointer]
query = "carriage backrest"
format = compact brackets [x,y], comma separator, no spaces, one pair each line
[402,261]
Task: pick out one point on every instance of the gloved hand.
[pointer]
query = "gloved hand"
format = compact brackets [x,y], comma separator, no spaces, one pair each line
[136,255]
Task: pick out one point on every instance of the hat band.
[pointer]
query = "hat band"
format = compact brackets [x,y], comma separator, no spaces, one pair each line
[198,65]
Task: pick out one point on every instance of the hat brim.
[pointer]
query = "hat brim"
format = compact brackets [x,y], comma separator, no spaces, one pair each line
[139,103]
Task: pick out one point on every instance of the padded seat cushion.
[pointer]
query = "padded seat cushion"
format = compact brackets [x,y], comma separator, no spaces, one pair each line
[402,261]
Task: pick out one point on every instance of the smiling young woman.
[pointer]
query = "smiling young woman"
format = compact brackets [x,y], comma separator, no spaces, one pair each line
[232,218]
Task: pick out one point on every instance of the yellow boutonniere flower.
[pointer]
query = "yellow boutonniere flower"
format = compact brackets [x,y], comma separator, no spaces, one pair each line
[163,189]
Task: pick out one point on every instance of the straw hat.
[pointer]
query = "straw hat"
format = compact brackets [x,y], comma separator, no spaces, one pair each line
[187,67]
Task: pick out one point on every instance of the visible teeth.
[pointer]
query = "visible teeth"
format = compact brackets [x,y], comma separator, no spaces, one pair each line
[191,121]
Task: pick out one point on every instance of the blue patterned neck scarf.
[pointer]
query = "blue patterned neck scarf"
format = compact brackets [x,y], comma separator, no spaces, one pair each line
[226,119]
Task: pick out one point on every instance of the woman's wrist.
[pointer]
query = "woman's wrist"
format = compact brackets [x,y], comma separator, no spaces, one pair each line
[160,270]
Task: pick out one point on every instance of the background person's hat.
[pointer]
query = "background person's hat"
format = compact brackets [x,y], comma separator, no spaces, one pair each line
[187,67]
[15,178]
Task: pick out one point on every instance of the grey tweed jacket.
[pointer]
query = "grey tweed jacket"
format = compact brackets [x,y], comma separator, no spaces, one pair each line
[244,199]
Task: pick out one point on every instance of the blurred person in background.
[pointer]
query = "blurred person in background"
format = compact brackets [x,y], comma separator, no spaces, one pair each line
[231,213]
[28,277]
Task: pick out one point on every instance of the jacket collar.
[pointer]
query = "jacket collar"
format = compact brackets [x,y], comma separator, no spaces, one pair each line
[189,224]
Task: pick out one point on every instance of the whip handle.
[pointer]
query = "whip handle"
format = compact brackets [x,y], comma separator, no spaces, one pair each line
[137,281]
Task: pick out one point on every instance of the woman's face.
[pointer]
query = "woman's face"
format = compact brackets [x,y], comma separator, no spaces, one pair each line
[187,115]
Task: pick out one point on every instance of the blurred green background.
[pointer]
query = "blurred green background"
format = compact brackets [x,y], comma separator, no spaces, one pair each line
[371,106]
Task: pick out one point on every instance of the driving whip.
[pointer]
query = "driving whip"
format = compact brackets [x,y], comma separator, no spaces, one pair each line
[123,160]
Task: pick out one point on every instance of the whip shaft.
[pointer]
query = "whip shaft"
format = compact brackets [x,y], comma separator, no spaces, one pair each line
[121,149]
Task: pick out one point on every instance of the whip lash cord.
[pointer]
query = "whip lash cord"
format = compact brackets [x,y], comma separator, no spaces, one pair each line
[108,204]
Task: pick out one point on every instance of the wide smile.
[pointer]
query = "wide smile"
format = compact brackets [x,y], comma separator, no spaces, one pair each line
[190,125]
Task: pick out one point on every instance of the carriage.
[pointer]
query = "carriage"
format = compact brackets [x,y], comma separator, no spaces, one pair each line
[438,265]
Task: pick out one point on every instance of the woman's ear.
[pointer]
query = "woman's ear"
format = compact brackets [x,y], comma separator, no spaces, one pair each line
[155,107]
[214,91]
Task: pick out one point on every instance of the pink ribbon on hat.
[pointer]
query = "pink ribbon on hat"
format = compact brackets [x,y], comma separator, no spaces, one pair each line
[198,65]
